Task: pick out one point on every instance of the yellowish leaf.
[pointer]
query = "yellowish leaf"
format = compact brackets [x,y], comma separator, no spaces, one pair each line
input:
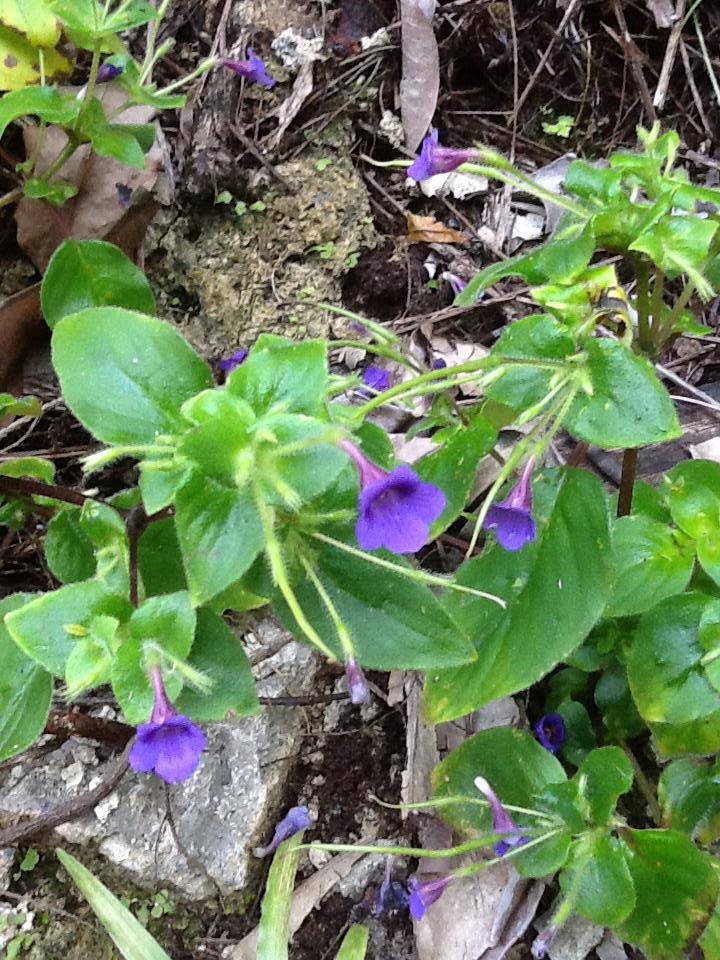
[430,230]
[33,18]
[20,62]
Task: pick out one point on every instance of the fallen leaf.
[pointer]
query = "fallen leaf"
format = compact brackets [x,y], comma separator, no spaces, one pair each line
[420,81]
[291,106]
[20,324]
[663,11]
[421,744]
[429,230]
[105,187]
[455,184]
[707,450]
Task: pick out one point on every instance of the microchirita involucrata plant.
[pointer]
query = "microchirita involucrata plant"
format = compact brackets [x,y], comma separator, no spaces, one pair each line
[277,488]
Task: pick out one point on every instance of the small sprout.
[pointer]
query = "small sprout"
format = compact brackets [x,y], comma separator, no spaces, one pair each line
[322,164]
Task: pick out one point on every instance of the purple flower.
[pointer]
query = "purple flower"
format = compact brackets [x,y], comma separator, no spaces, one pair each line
[392,894]
[457,284]
[295,820]
[251,69]
[396,509]
[169,745]
[541,943]
[439,364]
[502,822]
[436,159]
[512,519]
[550,731]
[108,71]
[423,893]
[356,682]
[228,364]
[376,378]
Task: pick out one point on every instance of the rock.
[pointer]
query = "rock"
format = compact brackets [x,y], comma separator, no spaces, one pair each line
[219,814]
[7,858]
[224,279]
[575,939]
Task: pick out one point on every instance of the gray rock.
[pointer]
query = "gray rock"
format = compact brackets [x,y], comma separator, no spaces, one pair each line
[575,939]
[218,815]
[7,858]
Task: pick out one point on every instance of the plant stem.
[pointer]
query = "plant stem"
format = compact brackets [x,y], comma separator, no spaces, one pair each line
[627,482]
[340,628]
[475,868]
[644,786]
[26,487]
[642,274]
[477,843]
[666,328]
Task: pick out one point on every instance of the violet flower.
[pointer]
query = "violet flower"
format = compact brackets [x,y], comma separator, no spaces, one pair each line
[376,378]
[253,69]
[434,159]
[392,895]
[228,364]
[502,822]
[295,820]
[512,518]
[550,732]
[108,71]
[457,284]
[423,893]
[542,942]
[169,745]
[356,682]
[396,509]
[439,364]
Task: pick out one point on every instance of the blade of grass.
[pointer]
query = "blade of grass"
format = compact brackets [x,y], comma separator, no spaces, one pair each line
[273,929]
[355,943]
[129,936]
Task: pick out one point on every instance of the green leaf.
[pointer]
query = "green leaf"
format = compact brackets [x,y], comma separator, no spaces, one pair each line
[35,467]
[607,774]
[160,560]
[679,245]
[592,182]
[218,654]
[599,878]
[167,620]
[220,535]
[555,589]
[116,141]
[676,889]
[689,794]
[518,769]
[563,257]
[56,192]
[394,622]
[133,13]
[649,563]
[355,943]
[580,734]
[629,406]
[125,375]
[537,337]
[25,689]
[69,551]
[290,377]
[129,936]
[614,700]
[158,485]
[273,934]
[667,679]
[694,499]
[19,406]
[48,626]
[453,468]
[307,472]
[102,275]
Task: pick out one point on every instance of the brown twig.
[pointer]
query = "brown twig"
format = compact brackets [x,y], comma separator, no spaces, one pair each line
[69,809]
[25,487]
[68,723]
[627,482]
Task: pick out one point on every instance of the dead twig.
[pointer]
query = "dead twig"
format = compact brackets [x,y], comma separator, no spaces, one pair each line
[670,55]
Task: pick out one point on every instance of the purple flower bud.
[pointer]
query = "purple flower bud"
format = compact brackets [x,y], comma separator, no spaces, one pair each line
[169,745]
[502,822]
[541,943]
[439,364]
[376,378]
[228,364]
[124,193]
[356,683]
[550,731]
[396,509]
[512,518]
[457,284]
[253,69]
[436,159]
[392,894]
[295,820]
[423,893]
[108,71]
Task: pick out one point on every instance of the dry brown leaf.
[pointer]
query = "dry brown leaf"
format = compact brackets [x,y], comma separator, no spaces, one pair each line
[429,230]
[420,69]
[292,105]
[97,208]
[20,324]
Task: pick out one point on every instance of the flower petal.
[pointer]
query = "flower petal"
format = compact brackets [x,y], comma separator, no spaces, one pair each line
[513,526]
